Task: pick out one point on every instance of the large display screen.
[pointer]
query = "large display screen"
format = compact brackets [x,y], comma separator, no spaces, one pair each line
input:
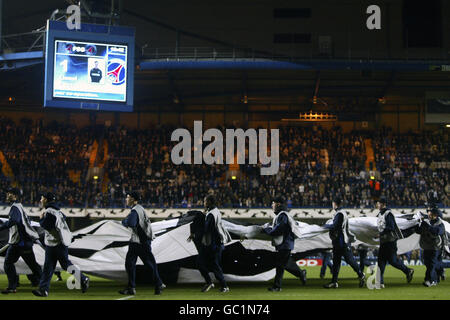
[85,70]
[91,68]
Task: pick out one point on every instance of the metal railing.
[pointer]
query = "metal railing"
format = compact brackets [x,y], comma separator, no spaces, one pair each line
[307,53]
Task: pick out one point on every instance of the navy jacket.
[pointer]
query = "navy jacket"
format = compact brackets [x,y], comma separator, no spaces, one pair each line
[132,221]
[336,232]
[283,228]
[15,218]
[49,220]
[210,228]
[197,227]
[431,235]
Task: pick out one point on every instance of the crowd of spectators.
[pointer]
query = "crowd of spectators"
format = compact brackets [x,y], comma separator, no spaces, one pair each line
[315,165]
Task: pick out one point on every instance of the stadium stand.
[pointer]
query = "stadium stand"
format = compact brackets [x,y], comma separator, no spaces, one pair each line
[315,164]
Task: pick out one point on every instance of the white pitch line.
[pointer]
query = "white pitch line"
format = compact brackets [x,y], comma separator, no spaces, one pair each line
[125,298]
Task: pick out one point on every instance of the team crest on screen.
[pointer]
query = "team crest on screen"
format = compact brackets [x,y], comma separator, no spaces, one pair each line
[91,50]
[116,71]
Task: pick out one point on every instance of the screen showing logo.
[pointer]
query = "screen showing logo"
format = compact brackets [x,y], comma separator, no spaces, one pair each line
[116,71]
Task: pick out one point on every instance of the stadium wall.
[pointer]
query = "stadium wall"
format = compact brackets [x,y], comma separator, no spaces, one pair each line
[401,118]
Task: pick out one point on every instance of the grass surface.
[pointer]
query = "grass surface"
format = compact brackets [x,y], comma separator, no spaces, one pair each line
[396,288]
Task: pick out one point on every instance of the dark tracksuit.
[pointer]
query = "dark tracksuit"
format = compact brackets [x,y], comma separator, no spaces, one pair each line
[340,248]
[96,75]
[326,262]
[142,250]
[283,228]
[210,256]
[440,269]
[441,265]
[430,242]
[362,251]
[24,249]
[53,254]
[388,247]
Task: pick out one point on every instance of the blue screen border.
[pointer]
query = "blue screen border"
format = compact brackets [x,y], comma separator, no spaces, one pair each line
[57,30]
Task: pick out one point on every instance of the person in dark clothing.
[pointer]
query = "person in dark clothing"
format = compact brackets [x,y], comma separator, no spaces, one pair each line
[197,228]
[339,235]
[326,263]
[21,238]
[362,252]
[58,276]
[283,240]
[57,240]
[95,73]
[389,233]
[140,245]
[210,241]
[293,268]
[431,232]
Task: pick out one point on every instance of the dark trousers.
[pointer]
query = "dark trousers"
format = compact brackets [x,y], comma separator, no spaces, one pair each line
[362,259]
[338,253]
[430,259]
[210,259]
[440,267]
[13,254]
[52,256]
[143,251]
[281,260]
[326,262]
[388,253]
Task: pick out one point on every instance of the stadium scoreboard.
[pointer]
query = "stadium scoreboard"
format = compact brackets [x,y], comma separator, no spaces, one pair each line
[91,68]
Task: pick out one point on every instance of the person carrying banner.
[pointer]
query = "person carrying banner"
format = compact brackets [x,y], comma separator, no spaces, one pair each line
[283,231]
[213,240]
[140,245]
[326,262]
[57,240]
[389,234]
[20,243]
[431,231]
[340,238]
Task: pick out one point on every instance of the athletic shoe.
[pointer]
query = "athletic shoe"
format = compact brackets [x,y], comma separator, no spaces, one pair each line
[362,281]
[330,285]
[128,291]
[409,276]
[85,285]
[8,291]
[303,276]
[322,276]
[207,287]
[381,286]
[159,290]
[40,293]
[427,283]
[224,289]
[274,289]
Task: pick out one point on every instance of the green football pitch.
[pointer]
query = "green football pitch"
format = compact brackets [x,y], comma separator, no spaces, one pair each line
[396,288]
